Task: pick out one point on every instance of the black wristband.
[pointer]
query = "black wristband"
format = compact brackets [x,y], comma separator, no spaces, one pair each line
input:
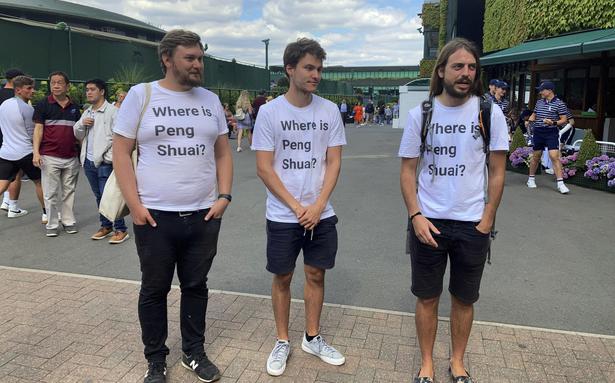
[227,197]
[414,215]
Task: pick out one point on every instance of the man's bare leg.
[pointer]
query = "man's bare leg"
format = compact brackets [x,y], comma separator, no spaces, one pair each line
[462,315]
[280,299]
[313,295]
[426,320]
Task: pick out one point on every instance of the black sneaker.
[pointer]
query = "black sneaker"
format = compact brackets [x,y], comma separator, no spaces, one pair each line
[205,370]
[156,372]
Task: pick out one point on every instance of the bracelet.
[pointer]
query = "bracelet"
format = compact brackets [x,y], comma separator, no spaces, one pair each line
[414,215]
[227,197]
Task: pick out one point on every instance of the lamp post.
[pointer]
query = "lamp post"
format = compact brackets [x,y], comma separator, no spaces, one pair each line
[266,41]
[62,26]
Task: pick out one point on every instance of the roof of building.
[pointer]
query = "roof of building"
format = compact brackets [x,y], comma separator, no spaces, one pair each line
[77,10]
[341,68]
[562,45]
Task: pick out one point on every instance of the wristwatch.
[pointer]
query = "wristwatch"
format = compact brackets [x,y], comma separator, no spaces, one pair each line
[227,197]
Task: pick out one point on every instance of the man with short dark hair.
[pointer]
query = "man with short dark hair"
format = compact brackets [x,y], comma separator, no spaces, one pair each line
[16,151]
[298,140]
[55,153]
[11,196]
[549,113]
[95,131]
[259,101]
[452,209]
[176,196]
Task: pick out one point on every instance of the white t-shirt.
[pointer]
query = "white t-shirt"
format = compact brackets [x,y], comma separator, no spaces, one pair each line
[299,138]
[17,127]
[176,170]
[452,170]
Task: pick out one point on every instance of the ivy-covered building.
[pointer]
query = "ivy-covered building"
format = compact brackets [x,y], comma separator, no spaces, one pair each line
[571,43]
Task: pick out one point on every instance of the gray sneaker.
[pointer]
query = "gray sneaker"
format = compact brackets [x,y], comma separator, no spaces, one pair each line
[71,229]
[51,232]
[321,349]
[276,363]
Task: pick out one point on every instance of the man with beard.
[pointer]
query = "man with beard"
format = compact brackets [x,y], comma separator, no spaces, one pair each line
[184,157]
[453,211]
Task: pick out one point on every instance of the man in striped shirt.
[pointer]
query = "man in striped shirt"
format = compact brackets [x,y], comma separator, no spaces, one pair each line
[499,97]
[549,112]
[55,152]
[491,93]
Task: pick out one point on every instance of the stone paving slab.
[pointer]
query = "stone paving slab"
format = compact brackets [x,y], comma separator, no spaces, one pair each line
[69,328]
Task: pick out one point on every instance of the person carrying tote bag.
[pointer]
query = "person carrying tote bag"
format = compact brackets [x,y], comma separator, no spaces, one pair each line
[112,203]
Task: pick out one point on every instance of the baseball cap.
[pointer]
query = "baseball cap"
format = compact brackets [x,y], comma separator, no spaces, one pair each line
[12,73]
[502,84]
[546,85]
[494,81]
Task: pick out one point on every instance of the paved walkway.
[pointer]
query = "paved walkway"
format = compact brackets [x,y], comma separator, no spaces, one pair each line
[69,328]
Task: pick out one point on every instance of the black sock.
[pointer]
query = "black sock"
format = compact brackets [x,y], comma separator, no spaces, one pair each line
[308,337]
[44,211]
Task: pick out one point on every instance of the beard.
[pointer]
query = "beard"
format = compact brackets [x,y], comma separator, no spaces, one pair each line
[185,78]
[450,88]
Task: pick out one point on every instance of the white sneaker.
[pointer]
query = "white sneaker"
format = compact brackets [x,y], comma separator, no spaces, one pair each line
[531,183]
[549,171]
[17,213]
[44,219]
[4,206]
[239,149]
[276,363]
[321,349]
[563,189]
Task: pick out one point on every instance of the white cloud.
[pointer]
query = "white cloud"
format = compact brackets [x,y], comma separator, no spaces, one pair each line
[353,32]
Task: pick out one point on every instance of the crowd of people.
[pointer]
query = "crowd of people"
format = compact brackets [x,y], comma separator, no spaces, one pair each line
[361,114]
[177,125]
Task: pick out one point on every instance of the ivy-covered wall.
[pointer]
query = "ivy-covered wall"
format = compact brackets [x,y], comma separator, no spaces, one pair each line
[430,16]
[510,22]
[426,67]
[443,18]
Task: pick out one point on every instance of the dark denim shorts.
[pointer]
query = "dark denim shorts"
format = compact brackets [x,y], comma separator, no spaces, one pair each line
[467,249]
[286,240]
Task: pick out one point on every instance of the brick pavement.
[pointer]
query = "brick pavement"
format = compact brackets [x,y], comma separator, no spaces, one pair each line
[68,328]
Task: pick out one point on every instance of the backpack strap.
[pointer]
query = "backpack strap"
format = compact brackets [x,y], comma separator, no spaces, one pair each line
[426,111]
[484,122]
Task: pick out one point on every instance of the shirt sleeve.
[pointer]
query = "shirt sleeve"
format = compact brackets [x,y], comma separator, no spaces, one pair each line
[128,116]
[263,136]
[410,146]
[39,113]
[562,109]
[499,130]
[337,137]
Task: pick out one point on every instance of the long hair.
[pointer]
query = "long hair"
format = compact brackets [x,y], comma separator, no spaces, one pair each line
[436,86]
[243,101]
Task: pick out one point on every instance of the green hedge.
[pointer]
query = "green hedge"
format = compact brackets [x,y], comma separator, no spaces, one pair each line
[510,22]
[443,20]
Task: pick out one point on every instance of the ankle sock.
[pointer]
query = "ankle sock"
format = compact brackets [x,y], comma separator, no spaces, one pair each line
[13,205]
[309,338]
[560,182]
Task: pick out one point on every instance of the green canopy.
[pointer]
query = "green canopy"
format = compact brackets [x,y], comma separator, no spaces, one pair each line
[562,45]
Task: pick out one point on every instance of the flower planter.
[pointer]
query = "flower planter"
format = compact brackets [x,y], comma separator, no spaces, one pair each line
[580,180]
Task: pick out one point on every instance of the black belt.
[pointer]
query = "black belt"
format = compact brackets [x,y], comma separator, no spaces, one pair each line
[180,213]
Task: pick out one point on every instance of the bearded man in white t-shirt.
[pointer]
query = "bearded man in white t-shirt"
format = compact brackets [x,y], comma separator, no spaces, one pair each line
[453,211]
[298,139]
[176,195]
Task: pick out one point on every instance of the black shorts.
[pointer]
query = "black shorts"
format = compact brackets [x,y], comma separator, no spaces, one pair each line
[286,240]
[464,245]
[9,169]
[548,138]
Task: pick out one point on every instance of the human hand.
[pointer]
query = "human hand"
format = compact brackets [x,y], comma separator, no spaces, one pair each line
[88,121]
[311,216]
[423,229]
[218,209]
[37,160]
[141,216]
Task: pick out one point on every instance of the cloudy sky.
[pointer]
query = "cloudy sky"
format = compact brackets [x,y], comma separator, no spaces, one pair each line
[353,32]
